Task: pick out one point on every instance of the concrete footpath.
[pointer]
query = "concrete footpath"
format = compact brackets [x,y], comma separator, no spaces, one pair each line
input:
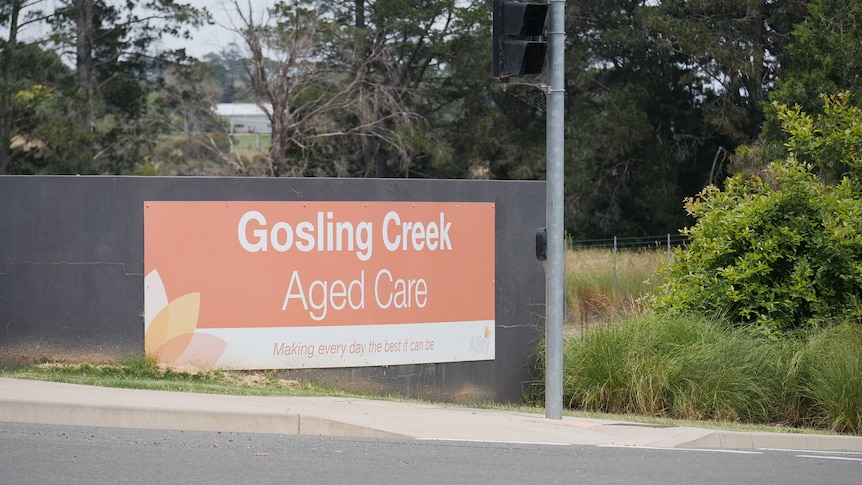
[24,401]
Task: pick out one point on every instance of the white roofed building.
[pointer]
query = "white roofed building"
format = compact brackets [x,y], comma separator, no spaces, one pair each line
[244,117]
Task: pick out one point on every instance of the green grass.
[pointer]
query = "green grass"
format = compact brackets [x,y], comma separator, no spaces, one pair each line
[830,379]
[141,373]
[696,369]
[247,144]
[621,359]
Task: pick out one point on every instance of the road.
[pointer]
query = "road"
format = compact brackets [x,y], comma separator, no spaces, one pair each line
[45,454]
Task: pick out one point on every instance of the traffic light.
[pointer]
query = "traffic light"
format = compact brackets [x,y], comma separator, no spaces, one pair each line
[519,38]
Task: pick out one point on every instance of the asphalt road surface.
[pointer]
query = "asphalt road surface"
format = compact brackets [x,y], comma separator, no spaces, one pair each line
[45,454]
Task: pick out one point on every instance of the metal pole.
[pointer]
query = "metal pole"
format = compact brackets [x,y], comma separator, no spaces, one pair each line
[555,283]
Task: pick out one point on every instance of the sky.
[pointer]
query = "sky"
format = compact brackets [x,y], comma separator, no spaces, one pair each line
[214,38]
[210,38]
[206,40]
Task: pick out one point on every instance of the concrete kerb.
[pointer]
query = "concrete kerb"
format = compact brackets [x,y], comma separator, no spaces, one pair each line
[69,404]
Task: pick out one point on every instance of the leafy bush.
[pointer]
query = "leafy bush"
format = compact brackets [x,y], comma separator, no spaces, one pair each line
[774,254]
[831,140]
[778,251]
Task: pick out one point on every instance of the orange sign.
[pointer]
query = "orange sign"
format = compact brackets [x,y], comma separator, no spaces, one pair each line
[299,265]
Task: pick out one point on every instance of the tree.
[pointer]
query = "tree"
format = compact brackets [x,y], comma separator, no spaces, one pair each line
[10,13]
[189,92]
[339,83]
[824,57]
[404,52]
[736,49]
[636,138]
[830,140]
[229,70]
[30,101]
[659,95]
[23,66]
[102,114]
[277,85]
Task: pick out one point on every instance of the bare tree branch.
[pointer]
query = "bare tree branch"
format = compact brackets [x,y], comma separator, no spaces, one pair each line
[307,104]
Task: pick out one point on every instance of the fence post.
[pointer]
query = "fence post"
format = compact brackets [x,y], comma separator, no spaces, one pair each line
[615,266]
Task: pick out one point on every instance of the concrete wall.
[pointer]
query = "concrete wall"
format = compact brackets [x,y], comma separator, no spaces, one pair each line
[71,272]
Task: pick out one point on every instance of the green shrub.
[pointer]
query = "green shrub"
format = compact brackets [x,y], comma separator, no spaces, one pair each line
[775,254]
[778,251]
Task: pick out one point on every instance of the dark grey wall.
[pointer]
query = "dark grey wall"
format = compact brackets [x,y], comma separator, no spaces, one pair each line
[72,282]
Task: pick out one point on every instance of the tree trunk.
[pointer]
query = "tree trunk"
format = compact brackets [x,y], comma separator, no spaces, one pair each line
[381,168]
[360,13]
[277,149]
[84,60]
[754,84]
[6,110]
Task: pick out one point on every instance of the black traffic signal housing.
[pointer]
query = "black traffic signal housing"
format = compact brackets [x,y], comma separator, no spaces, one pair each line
[518,34]
[542,244]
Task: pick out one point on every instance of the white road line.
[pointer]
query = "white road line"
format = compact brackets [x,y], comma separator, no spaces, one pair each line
[494,442]
[826,457]
[710,450]
[822,452]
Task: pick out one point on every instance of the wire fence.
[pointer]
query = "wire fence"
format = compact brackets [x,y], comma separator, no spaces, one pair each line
[637,242]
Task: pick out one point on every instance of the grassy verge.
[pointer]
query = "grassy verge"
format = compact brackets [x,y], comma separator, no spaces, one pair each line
[620,360]
[691,368]
[146,374]
[140,373]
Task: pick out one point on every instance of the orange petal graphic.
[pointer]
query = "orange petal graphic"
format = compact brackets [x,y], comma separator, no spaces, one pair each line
[203,350]
[177,318]
[154,337]
[168,352]
[155,297]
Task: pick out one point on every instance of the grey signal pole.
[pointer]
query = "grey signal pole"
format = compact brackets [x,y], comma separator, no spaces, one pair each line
[555,283]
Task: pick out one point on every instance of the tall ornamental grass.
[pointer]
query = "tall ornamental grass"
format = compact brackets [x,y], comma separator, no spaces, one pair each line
[830,381]
[693,368]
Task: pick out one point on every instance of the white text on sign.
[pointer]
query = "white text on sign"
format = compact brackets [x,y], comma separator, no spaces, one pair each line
[330,235]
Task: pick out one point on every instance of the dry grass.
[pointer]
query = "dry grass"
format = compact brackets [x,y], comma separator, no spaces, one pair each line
[603,285]
[146,373]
